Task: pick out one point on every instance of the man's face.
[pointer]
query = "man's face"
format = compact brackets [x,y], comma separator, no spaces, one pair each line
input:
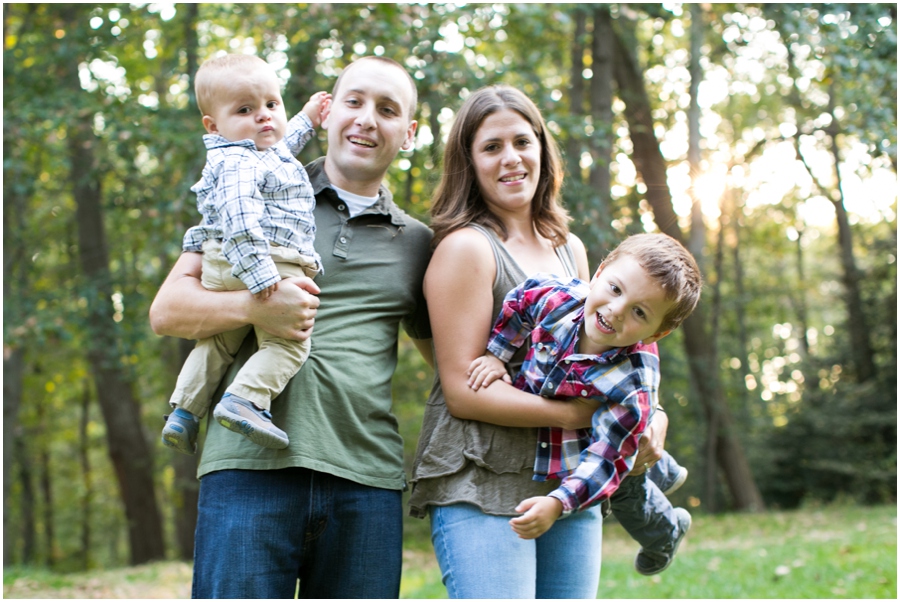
[369,122]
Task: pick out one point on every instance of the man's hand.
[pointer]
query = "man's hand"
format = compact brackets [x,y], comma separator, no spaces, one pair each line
[290,312]
[486,369]
[540,514]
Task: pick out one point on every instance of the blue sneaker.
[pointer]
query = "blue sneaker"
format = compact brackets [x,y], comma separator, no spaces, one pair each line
[180,432]
[241,416]
[669,481]
[648,562]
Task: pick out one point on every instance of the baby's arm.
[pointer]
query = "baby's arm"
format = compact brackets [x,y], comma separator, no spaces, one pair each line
[317,107]
[539,515]
[266,292]
[486,369]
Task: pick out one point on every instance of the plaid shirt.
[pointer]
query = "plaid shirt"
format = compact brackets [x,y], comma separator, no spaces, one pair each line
[249,198]
[591,462]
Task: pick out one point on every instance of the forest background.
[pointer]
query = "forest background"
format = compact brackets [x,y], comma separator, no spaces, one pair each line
[763,136]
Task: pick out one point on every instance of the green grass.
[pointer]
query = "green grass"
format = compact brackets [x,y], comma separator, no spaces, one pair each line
[836,551]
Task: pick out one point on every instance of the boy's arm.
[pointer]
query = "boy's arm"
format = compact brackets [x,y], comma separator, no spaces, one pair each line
[301,127]
[617,430]
[539,515]
[521,311]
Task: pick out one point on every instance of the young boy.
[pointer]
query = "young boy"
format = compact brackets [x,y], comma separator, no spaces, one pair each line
[598,341]
[258,227]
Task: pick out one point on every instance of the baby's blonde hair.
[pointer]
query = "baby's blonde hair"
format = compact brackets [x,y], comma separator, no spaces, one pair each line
[211,79]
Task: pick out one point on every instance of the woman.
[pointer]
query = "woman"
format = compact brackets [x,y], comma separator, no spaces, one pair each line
[497,220]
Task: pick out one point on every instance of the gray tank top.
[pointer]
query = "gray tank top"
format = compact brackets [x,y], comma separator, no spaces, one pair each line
[475,462]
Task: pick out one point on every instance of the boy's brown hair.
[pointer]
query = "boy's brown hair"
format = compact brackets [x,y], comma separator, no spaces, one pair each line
[209,82]
[671,266]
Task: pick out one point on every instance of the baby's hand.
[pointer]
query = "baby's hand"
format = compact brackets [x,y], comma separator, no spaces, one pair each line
[317,108]
[266,292]
[485,370]
[540,514]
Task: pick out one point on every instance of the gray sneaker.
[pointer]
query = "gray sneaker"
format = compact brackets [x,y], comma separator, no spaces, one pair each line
[671,481]
[180,432]
[241,416]
[648,562]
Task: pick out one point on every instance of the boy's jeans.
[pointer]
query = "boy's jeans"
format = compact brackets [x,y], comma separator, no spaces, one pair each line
[644,511]
[258,531]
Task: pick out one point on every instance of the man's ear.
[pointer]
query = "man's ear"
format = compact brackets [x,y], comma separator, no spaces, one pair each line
[659,335]
[210,124]
[410,136]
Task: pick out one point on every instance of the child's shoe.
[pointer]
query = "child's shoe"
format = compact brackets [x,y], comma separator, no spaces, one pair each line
[669,481]
[650,563]
[180,432]
[241,416]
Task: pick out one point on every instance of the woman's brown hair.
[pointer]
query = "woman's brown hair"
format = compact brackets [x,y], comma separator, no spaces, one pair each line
[457,202]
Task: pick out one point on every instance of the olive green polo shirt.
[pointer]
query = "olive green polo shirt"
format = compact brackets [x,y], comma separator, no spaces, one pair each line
[337,410]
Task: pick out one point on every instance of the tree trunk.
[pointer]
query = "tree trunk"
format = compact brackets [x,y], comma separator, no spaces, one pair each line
[13,367]
[27,500]
[652,167]
[128,449]
[47,504]
[860,344]
[576,92]
[697,238]
[601,95]
[86,478]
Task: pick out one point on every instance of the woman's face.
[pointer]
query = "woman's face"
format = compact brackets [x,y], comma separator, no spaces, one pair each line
[506,155]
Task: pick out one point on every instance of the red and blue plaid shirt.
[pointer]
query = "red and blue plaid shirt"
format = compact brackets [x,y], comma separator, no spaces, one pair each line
[591,462]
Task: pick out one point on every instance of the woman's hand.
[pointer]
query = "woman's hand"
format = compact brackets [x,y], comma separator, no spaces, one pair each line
[651,445]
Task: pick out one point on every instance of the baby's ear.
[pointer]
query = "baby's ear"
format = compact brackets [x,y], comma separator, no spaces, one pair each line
[210,124]
[659,335]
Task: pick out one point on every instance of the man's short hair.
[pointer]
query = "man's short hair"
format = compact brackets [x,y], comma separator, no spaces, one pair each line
[386,61]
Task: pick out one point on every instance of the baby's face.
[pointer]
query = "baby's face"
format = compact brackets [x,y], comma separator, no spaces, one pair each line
[625,306]
[250,108]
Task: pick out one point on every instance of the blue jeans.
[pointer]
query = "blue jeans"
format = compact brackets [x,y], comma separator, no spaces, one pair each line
[258,531]
[644,511]
[481,557]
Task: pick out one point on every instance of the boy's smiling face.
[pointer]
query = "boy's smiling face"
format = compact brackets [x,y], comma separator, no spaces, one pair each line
[625,306]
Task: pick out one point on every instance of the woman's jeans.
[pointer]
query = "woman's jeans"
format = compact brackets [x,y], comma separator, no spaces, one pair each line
[258,531]
[481,557]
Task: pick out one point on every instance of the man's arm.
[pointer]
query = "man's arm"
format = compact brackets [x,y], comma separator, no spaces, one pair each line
[424,347]
[183,308]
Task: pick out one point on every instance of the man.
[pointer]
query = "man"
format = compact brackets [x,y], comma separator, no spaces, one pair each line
[327,509]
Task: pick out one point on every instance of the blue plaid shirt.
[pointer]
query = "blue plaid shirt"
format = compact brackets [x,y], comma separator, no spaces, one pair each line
[591,462]
[249,198]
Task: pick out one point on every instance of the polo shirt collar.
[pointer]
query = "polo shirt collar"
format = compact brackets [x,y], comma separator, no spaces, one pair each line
[385,204]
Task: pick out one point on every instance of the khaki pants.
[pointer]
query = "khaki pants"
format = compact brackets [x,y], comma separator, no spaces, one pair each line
[268,370]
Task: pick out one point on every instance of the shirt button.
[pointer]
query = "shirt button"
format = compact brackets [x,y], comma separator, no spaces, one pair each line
[544,445]
[341,207]
[568,362]
[583,393]
[549,385]
[343,240]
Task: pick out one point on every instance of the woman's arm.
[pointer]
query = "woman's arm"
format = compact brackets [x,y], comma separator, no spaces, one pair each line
[458,287]
[183,308]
